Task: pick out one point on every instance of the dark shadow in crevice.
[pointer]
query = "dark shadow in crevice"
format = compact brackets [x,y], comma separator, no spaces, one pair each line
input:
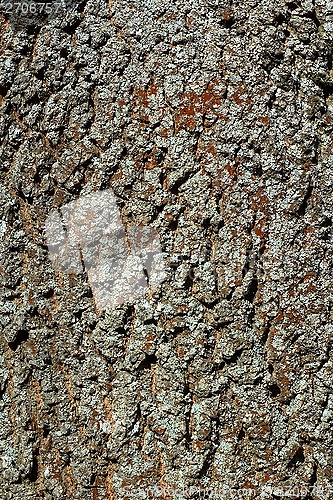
[252,290]
[313,478]
[292,6]
[184,178]
[234,358]
[304,205]
[33,474]
[313,16]
[274,389]
[146,364]
[327,88]
[22,336]
[297,459]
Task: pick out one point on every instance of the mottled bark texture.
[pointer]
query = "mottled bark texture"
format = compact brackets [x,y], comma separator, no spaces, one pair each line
[212,123]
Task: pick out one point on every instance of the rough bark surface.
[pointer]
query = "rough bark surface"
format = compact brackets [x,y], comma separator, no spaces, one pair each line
[211,121]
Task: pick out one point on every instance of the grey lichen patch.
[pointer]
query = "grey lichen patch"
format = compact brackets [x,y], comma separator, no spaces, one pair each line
[212,124]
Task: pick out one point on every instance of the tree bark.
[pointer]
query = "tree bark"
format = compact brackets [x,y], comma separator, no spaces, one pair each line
[211,123]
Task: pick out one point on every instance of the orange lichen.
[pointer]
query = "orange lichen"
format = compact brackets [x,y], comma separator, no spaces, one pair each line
[232,170]
[249,485]
[259,232]
[264,119]
[259,201]
[194,104]
[236,97]
[144,94]
[226,14]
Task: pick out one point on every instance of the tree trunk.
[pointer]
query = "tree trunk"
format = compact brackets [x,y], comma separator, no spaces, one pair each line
[211,123]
